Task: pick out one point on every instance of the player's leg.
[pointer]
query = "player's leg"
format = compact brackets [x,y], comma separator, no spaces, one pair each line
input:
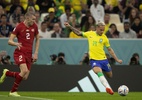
[108,71]
[109,74]
[26,76]
[8,73]
[100,74]
[3,75]
[23,72]
[28,63]
[103,80]
[97,68]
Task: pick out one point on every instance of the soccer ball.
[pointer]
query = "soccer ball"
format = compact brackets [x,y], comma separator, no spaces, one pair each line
[123,90]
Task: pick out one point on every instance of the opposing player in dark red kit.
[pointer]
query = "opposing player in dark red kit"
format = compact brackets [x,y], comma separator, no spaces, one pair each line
[25,33]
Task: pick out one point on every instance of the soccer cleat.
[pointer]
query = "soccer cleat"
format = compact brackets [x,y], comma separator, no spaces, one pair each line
[3,76]
[110,91]
[14,94]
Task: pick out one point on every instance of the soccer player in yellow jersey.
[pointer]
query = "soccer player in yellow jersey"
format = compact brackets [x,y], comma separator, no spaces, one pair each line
[98,61]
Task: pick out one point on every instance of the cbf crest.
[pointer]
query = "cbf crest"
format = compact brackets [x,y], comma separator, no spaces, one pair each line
[101,40]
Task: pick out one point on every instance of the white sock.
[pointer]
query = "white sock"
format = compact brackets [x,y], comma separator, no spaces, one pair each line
[104,82]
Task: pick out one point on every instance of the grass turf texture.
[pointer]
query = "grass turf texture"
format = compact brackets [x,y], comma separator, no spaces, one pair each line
[70,96]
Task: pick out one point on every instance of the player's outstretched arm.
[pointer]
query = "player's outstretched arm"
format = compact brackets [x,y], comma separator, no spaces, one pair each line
[77,32]
[110,50]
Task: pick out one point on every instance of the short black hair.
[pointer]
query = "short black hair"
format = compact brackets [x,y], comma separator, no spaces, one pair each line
[61,54]
[135,54]
[53,57]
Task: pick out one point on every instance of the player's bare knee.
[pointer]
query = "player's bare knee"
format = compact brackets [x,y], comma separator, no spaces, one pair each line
[25,71]
[25,78]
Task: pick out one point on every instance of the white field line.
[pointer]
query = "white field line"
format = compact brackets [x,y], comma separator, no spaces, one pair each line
[30,98]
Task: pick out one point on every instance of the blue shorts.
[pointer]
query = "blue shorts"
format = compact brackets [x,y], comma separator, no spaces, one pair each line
[103,64]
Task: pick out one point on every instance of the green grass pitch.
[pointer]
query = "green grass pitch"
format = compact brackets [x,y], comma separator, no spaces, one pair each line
[71,96]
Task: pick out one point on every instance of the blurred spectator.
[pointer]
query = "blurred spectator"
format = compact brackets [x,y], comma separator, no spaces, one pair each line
[97,11]
[38,19]
[58,2]
[60,60]
[110,59]
[3,3]
[29,3]
[89,3]
[53,58]
[4,58]
[121,14]
[67,3]
[128,32]
[137,27]
[133,14]
[57,32]
[24,4]
[51,19]
[72,34]
[107,22]
[15,4]
[43,32]
[90,21]
[92,28]
[31,9]
[79,6]
[112,32]
[14,17]
[21,19]
[73,20]
[85,18]
[110,6]
[45,5]
[135,59]
[5,27]
[85,59]
[127,5]
[65,16]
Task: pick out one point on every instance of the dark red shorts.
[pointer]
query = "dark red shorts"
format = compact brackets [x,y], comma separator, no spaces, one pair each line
[23,57]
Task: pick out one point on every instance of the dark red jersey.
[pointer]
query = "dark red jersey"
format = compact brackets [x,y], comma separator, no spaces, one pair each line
[25,35]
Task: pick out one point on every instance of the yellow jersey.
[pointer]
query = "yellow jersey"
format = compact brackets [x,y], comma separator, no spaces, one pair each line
[73,35]
[106,27]
[96,45]
[114,3]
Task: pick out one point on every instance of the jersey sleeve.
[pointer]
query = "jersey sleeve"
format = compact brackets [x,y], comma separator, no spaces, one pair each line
[107,44]
[85,34]
[16,30]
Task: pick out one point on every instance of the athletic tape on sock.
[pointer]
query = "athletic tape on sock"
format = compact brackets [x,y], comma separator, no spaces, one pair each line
[100,74]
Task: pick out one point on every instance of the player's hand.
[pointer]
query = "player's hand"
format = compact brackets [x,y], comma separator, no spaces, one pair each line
[67,24]
[119,61]
[35,57]
[19,45]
